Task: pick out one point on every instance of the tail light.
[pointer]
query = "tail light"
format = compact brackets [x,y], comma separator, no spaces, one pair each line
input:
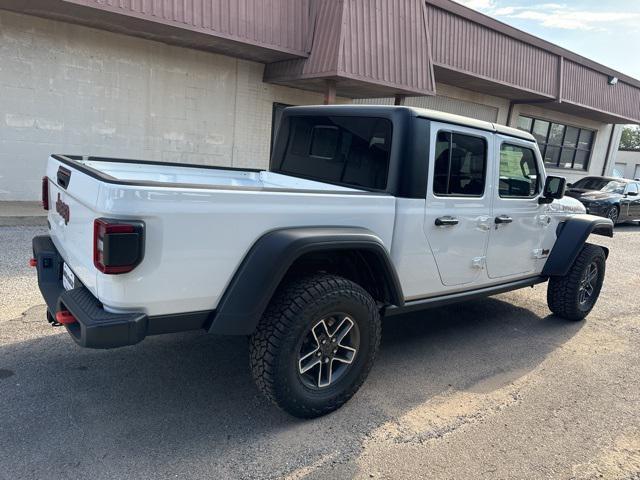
[45,193]
[118,246]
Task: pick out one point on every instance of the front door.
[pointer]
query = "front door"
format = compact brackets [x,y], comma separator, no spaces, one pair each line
[518,219]
[458,207]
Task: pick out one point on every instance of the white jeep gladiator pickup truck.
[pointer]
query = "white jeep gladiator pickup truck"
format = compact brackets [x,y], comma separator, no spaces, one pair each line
[365,212]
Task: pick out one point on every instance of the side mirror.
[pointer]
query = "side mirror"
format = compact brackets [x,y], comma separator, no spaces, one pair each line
[569,185]
[554,188]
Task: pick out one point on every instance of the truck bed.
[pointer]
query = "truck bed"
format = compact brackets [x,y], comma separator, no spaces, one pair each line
[140,172]
[199,224]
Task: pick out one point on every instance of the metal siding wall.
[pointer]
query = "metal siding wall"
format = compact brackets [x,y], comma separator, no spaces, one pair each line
[586,87]
[323,58]
[326,39]
[381,42]
[387,41]
[466,46]
[280,23]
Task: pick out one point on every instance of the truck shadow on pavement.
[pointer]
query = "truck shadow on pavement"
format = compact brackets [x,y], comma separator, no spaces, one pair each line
[187,403]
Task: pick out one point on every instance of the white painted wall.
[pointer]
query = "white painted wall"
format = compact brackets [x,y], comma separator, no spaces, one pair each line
[629,163]
[454,100]
[71,89]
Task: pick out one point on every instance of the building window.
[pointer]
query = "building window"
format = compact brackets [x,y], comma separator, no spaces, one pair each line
[562,146]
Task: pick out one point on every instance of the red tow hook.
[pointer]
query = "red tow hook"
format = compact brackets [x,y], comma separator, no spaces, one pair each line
[65,318]
[33,262]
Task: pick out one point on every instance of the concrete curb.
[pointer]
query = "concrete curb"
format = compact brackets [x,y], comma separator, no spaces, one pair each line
[16,213]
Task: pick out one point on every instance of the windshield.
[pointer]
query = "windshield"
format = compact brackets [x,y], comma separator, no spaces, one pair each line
[602,184]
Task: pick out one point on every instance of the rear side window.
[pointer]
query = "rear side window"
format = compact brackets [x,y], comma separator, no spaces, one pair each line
[350,151]
[460,165]
[519,176]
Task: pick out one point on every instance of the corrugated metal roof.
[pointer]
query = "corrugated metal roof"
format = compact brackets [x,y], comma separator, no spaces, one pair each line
[585,87]
[387,40]
[465,46]
[261,30]
[277,23]
[379,42]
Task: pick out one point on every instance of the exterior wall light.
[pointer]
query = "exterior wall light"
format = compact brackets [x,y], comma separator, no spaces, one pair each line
[613,80]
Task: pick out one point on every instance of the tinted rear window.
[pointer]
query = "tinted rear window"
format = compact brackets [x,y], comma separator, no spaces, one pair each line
[352,151]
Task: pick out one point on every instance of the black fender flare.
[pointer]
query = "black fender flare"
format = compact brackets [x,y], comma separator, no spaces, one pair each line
[572,234]
[268,261]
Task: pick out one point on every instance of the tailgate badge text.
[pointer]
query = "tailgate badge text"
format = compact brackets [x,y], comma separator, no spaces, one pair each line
[63,209]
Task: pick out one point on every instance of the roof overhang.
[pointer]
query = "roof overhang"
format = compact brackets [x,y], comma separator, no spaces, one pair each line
[388,54]
[276,39]
[520,95]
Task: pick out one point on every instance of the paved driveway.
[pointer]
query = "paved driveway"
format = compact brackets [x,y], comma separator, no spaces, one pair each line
[495,388]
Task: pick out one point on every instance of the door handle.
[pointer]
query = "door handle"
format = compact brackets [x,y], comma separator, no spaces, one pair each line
[446,221]
[503,219]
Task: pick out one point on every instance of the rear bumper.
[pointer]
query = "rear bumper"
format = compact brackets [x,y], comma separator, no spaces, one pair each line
[95,327]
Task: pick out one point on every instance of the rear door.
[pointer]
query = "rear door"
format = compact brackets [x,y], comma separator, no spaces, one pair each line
[458,205]
[519,221]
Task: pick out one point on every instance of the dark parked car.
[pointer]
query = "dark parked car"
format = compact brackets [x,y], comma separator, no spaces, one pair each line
[614,198]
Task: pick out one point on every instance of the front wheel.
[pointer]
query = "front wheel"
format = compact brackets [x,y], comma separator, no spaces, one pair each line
[315,344]
[613,214]
[574,295]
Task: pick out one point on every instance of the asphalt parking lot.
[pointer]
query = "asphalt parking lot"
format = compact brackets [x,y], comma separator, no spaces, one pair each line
[496,388]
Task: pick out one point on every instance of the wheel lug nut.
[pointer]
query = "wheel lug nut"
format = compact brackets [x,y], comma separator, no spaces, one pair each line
[333,339]
[326,359]
[335,350]
[324,341]
[319,354]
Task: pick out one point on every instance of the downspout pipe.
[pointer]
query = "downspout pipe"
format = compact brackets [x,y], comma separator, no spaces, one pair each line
[607,159]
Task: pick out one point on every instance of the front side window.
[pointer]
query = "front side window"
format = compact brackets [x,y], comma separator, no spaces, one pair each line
[350,151]
[519,176]
[633,188]
[460,165]
[561,146]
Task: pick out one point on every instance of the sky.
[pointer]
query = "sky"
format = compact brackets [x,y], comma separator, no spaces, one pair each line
[607,31]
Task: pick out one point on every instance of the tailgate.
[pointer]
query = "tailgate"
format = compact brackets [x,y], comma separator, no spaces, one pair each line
[72,200]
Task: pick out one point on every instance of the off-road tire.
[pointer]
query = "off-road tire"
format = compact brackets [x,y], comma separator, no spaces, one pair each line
[563,293]
[292,312]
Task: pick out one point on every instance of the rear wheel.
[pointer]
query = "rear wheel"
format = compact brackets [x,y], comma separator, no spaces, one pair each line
[315,344]
[574,295]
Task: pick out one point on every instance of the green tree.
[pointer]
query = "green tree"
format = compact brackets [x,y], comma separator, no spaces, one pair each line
[630,138]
